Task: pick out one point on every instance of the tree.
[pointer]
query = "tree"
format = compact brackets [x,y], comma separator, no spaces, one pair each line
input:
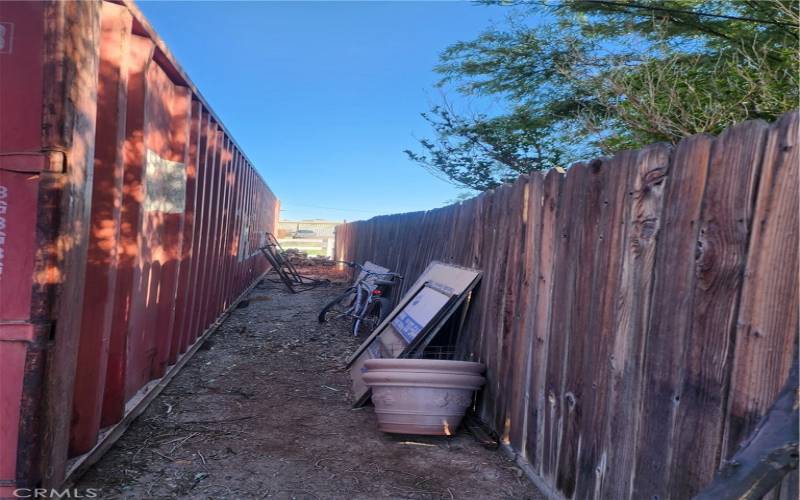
[589,77]
[481,152]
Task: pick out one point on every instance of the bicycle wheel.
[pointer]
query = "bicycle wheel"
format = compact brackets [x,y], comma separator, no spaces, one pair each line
[339,306]
[376,312]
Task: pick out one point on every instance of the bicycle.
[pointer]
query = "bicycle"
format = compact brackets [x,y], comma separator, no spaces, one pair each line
[367,301]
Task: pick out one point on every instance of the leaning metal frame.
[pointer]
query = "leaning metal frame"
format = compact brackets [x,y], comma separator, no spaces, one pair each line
[285,270]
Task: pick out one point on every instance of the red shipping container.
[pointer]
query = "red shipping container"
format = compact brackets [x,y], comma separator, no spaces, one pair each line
[127,211]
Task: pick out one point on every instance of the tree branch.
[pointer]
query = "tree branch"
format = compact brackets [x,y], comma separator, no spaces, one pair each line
[668,10]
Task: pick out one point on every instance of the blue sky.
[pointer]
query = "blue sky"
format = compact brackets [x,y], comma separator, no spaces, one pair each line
[324,96]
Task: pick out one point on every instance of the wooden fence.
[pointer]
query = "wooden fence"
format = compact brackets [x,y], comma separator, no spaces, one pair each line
[637,315]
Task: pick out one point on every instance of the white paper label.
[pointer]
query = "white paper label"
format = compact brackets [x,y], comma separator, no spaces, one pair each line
[165,184]
[244,241]
[6,37]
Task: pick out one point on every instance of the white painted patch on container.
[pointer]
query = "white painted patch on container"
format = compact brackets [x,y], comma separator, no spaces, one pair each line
[3,224]
[6,37]
[165,185]
[244,241]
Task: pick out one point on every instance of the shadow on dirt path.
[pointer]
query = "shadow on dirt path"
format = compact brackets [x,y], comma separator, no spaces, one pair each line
[263,411]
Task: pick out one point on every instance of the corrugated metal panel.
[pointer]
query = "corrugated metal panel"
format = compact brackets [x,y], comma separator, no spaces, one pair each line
[114,173]
[101,266]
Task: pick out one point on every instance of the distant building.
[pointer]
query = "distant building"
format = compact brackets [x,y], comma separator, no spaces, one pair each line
[322,228]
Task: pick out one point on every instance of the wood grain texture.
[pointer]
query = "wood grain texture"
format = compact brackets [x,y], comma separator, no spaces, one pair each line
[563,301]
[636,315]
[513,350]
[551,202]
[672,305]
[767,323]
[524,318]
[767,456]
[643,222]
[607,271]
[581,335]
[698,401]
[492,331]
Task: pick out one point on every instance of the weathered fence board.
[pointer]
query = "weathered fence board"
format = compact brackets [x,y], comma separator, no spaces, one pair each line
[670,317]
[570,394]
[526,292]
[767,323]
[551,199]
[513,353]
[607,273]
[697,409]
[637,315]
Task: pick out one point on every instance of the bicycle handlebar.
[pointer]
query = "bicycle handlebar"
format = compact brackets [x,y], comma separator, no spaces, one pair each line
[358,266]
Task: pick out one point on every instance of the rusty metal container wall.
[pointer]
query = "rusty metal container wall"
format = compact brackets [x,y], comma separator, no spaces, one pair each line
[101,266]
[189,325]
[185,265]
[48,90]
[19,188]
[114,174]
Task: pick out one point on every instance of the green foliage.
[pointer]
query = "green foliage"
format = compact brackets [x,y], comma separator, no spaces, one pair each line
[584,78]
[481,152]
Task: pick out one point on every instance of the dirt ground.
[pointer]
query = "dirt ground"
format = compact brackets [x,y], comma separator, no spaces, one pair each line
[263,411]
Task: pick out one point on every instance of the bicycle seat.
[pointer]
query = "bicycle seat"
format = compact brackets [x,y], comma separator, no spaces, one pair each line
[385,282]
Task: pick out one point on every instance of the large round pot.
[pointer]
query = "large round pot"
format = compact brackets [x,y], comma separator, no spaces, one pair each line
[422,396]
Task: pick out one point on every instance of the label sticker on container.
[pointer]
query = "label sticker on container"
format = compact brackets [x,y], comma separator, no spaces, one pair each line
[165,185]
[6,37]
[3,225]
[244,243]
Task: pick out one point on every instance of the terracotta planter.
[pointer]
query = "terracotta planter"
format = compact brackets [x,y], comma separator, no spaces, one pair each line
[422,396]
